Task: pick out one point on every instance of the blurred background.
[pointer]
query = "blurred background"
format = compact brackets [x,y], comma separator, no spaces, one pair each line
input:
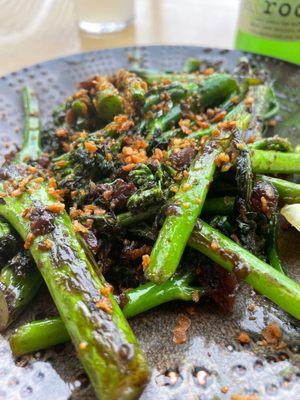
[37,30]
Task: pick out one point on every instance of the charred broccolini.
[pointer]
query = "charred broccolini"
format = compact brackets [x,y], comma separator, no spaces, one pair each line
[104,341]
[127,165]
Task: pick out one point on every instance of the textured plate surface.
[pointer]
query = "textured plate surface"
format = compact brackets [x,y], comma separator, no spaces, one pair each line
[212,358]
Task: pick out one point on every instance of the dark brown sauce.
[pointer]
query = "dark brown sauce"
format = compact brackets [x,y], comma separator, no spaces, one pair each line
[126,352]
[174,209]
[41,221]
[183,158]
[241,270]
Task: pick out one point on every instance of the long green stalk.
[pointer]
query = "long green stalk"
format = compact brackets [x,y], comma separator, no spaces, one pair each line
[100,337]
[31,148]
[282,290]
[17,289]
[272,246]
[19,279]
[263,278]
[105,343]
[211,91]
[212,206]
[39,335]
[275,162]
[108,102]
[251,122]
[187,205]
[132,86]
[176,91]
[191,65]
[150,295]
[275,143]
[129,218]
[152,76]
[8,243]
[289,192]
[238,114]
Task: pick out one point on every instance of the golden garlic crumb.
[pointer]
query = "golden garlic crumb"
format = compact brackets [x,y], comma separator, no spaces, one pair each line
[83,346]
[29,240]
[244,338]
[45,245]
[78,227]
[106,290]
[56,208]
[145,261]
[214,245]
[224,389]
[90,147]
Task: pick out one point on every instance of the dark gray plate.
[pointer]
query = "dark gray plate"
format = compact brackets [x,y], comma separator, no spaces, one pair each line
[212,347]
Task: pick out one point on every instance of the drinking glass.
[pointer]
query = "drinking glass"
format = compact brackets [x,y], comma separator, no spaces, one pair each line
[104,16]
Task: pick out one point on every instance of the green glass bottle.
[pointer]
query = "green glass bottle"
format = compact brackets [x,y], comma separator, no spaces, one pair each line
[270,27]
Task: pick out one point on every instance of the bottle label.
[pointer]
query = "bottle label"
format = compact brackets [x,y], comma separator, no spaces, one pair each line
[272,19]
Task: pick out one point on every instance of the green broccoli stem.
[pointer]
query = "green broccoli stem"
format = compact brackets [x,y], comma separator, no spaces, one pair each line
[187,204]
[252,121]
[8,242]
[211,91]
[289,192]
[133,88]
[238,114]
[150,295]
[212,206]
[272,247]
[189,199]
[275,143]
[130,217]
[152,76]
[68,273]
[39,335]
[175,91]
[108,102]
[136,88]
[162,123]
[218,205]
[214,90]
[282,290]
[191,65]
[137,93]
[265,106]
[275,162]
[79,108]
[19,279]
[31,149]
[5,229]
[100,335]
[16,291]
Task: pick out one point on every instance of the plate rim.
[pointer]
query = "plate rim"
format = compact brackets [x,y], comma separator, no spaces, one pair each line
[140,46]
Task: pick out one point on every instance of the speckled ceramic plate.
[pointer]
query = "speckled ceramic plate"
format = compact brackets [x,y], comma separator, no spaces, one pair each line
[212,358]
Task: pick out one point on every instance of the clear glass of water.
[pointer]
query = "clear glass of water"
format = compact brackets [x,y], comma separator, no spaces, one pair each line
[104,16]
